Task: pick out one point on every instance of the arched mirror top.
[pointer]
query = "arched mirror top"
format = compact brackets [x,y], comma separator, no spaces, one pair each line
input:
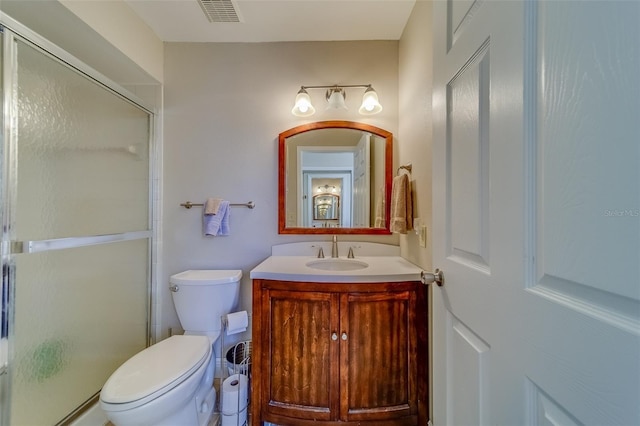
[347,159]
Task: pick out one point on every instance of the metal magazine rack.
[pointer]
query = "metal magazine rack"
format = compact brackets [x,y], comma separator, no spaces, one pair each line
[236,367]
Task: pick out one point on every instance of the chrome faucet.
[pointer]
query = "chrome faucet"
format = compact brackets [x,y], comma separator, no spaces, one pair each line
[334,247]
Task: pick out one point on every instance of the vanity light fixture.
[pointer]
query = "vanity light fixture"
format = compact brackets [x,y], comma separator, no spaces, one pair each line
[327,189]
[335,96]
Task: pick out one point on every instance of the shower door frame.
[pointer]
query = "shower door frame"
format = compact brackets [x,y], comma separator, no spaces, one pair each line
[10,31]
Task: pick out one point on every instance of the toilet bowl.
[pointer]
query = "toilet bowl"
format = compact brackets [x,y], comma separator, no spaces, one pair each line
[171,383]
[156,385]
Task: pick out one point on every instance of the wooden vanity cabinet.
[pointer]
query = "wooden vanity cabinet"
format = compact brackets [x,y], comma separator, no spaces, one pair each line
[339,353]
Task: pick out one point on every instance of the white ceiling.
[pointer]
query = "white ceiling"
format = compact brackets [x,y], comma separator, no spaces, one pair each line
[278,20]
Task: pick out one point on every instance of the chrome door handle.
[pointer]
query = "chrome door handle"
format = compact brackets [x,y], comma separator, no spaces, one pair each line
[174,288]
[334,336]
[436,276]
[344,336]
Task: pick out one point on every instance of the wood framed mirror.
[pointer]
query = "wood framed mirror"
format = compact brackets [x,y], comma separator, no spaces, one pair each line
[349,160]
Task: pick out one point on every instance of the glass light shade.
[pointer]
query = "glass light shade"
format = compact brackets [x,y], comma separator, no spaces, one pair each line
[370,104]
[302,106]
[335,99]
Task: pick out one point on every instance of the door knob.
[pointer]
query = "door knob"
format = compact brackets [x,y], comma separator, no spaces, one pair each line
[344,336]
[436,276]
[334,336]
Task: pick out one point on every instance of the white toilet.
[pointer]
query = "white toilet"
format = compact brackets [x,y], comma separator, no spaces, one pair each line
[171,383]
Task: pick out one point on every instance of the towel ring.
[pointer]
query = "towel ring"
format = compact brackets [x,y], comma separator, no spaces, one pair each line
[406,167]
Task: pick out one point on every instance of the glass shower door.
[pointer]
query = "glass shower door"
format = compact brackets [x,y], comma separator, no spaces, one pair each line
[76,233]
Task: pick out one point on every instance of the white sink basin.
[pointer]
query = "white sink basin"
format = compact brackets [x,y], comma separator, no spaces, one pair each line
[337,264]
[374,263]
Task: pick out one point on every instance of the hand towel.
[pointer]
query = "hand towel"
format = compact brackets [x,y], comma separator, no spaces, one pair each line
[212,205]
[401,205]
[218,224]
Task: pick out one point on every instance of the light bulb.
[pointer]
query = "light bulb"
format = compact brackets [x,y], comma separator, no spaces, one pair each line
[370,104]
[302,106]
[336,98]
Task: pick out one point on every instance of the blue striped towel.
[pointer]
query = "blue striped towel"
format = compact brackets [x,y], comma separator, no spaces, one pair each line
[218,224]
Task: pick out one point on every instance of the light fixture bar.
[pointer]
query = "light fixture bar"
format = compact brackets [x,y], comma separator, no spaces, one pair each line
[336,86]
[335,97]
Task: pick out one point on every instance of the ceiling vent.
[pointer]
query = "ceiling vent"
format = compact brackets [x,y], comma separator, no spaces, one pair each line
[220,10]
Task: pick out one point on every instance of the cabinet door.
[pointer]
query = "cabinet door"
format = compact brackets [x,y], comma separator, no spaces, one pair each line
[301,377]
[378,356]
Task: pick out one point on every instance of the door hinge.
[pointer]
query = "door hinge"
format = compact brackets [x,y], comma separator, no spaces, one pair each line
[12,247]
[17,247]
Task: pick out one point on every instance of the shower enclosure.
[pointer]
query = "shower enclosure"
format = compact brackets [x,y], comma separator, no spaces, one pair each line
[76,231]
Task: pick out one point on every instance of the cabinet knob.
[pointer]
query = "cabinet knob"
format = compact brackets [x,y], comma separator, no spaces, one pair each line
[334,336]
[344,336]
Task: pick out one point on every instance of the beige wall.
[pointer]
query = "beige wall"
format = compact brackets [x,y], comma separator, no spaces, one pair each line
[415,130]
[107,36]
[119,25]
[414,135]
[225,105]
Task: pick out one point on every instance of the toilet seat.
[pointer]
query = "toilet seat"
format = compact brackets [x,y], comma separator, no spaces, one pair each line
[155,371]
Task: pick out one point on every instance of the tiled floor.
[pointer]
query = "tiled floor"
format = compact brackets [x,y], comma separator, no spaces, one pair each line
[215,421]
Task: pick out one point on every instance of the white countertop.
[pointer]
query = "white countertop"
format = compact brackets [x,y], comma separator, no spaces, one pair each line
[379,269]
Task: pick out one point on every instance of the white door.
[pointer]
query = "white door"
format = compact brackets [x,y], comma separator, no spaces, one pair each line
[536,204]
[362,183]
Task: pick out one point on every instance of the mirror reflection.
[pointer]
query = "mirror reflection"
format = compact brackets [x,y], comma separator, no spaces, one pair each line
[326,208]
[334,178]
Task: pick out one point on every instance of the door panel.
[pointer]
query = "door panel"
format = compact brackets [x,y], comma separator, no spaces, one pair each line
[467,373]
[362,183]
[468,162]
[83,154]
[536,140]
[68,337]
[584,166]
[378,336]
[76,229]
[586,210]
[462,231]
[300,375]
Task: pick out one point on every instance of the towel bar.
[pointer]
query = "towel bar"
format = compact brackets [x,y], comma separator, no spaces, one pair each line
[189,204]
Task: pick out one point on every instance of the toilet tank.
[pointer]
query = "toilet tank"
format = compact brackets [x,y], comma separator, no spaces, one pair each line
[201,297]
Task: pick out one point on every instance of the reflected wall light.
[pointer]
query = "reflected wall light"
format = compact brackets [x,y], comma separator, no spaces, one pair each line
[335,96]
[327,189]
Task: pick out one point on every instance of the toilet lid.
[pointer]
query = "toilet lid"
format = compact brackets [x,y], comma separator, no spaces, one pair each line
[206,277]
[156,369]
